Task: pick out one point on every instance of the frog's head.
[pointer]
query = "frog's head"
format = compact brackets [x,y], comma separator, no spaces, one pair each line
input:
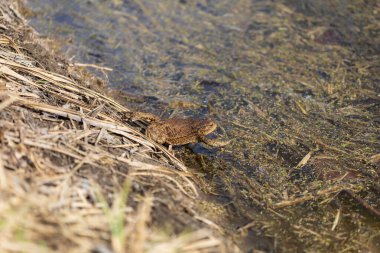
[207,126]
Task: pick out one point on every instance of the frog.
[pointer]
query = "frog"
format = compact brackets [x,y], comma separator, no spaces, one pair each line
[179,131]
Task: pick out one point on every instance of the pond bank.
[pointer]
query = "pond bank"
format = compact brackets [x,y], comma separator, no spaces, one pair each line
[74,175]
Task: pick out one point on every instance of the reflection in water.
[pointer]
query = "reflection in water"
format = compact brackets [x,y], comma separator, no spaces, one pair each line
[278,77]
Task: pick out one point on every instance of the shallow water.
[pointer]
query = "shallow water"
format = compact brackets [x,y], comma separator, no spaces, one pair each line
[270,74]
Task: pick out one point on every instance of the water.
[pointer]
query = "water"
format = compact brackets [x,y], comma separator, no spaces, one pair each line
[271,74]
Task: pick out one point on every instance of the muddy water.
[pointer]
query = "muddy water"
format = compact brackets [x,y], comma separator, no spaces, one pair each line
[272,75]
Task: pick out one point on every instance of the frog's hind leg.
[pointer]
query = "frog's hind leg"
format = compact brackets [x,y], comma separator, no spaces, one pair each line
[213,142]
[143,116]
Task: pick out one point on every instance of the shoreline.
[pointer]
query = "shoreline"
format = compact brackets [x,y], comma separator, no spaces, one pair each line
[70,180]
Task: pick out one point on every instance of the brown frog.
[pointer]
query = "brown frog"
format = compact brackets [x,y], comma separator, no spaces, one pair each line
[179,131]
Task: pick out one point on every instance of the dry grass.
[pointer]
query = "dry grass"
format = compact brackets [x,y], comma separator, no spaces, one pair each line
[69,164]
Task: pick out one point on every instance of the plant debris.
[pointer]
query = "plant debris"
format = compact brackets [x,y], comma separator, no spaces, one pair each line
[75,177]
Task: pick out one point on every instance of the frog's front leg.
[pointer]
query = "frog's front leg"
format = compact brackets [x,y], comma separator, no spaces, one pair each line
[213,142]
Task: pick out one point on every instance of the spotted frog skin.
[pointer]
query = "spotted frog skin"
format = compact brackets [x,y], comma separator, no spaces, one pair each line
[179,131]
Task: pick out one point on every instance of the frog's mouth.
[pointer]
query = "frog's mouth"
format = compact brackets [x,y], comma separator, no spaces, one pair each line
[209,127]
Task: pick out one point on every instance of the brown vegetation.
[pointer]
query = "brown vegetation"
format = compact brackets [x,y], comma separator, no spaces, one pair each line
[74,176]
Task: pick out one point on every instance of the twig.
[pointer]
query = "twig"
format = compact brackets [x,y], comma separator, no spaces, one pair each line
[318,194]
[92,66]
[363,202]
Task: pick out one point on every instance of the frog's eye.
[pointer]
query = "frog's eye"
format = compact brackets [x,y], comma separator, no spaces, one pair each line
[211,124]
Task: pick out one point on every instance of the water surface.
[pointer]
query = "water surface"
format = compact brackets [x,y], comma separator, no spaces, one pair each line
[279,78]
